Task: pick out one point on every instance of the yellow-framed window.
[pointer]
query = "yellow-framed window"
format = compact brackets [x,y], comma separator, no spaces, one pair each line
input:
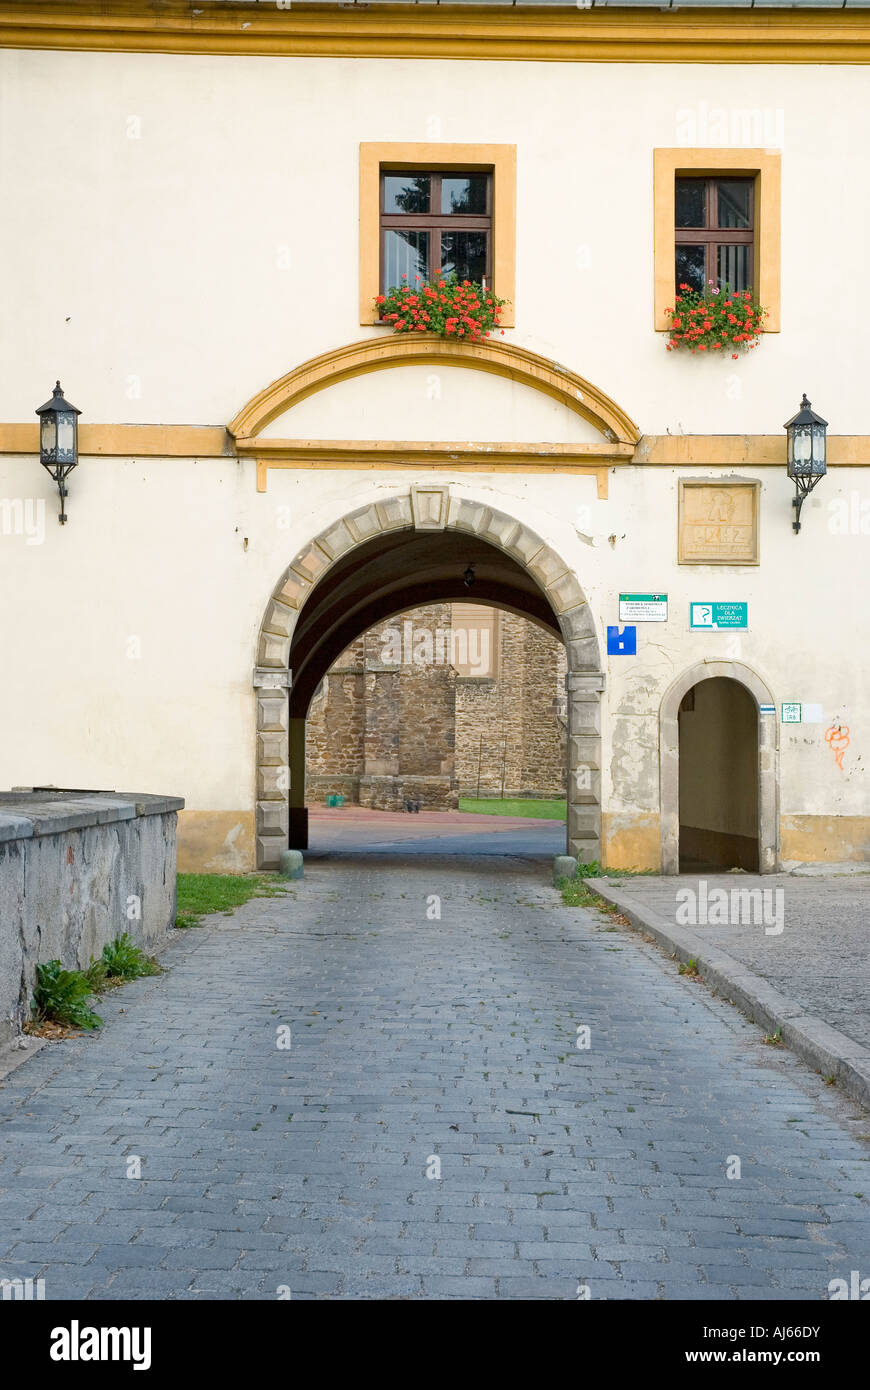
[498,161]
[673,171]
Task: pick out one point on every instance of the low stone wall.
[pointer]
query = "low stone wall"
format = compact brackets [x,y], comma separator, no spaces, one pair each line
[76,870]
[391,793]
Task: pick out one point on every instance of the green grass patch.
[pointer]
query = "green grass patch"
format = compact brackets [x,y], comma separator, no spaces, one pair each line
[576,894]
[575,891]
[532,809]
[200,894]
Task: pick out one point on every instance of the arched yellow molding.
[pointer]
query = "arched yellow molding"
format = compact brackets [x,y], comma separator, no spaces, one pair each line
[374,354]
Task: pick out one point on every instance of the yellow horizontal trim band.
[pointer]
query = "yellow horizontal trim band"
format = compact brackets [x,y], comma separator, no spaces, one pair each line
[128,441]
[420,451]
[213,441]
[743,450]
[569,35]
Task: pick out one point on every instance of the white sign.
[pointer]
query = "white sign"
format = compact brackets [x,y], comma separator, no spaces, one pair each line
[643,608]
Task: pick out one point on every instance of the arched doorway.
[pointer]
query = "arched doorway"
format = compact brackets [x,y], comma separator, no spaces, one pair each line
[719,771]
[405,550]
[718,793]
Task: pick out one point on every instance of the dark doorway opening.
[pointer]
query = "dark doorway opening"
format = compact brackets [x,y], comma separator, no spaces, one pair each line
[718,781]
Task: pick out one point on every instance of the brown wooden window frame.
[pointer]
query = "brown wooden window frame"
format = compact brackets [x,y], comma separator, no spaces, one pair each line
[436,222]
[711,236]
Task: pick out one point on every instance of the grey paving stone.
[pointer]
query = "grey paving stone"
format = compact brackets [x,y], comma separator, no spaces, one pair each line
[610,1171]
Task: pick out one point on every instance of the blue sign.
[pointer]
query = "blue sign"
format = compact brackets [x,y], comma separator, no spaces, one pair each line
[622,643]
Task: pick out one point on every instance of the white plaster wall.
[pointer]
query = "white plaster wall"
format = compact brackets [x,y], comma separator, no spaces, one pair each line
[148,271]
[154,550]
[433,403]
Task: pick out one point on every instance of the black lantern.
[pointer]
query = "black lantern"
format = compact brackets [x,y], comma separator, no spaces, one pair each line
[58,441]
[807,462]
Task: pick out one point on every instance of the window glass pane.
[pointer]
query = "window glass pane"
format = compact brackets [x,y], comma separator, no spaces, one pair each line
[464,193]
[463,254]
[691,203]
[735,202]
[405,253]
[406,193]
[733,267]
[65,434]
[690,267]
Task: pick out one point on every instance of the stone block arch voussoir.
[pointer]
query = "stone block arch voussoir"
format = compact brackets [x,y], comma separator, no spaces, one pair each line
[428,508]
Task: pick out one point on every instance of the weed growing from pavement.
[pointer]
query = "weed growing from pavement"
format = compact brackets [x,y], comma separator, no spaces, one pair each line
[123,960]
[60,996]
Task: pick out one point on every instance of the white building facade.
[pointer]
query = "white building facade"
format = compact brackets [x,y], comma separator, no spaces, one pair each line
[195,230]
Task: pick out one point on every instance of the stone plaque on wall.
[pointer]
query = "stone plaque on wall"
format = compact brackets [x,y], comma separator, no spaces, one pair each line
[718,522]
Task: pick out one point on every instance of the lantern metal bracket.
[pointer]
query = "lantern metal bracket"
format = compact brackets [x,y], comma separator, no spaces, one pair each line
[803,486]
[59,472]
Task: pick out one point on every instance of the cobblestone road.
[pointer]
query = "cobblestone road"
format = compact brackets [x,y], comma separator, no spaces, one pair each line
[414,1039]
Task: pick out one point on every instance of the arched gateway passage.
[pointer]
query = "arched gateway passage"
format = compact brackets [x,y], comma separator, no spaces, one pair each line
[405,550]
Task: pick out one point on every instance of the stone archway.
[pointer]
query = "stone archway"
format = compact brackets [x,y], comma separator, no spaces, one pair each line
[425,509]
[768,761]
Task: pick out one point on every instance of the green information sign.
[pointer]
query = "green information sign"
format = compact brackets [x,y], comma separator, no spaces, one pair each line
[718,615]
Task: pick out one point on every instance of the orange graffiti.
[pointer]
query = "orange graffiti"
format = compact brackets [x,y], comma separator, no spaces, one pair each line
[838,737]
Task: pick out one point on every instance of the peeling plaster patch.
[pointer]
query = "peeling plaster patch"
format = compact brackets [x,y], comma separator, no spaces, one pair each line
[231,858]
[634,766]
[644,686]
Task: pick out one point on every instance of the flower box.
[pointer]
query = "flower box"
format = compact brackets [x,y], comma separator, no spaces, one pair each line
[717,320]
[452,308]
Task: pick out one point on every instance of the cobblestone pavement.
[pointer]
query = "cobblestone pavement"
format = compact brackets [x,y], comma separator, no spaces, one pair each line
[821,958]
[413,1039]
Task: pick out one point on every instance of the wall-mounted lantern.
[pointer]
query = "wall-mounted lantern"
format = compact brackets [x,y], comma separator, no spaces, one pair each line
[58,441]
[807,455]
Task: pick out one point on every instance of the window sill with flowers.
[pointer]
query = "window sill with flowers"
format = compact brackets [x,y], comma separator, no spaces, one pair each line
[717,319]
[451,308]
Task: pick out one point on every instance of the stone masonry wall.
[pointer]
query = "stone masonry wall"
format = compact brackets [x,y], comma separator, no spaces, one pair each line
[394,721]
[510,734]
[94,865]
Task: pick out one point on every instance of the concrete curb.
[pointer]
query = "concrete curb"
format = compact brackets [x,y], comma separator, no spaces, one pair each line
[826,1049]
